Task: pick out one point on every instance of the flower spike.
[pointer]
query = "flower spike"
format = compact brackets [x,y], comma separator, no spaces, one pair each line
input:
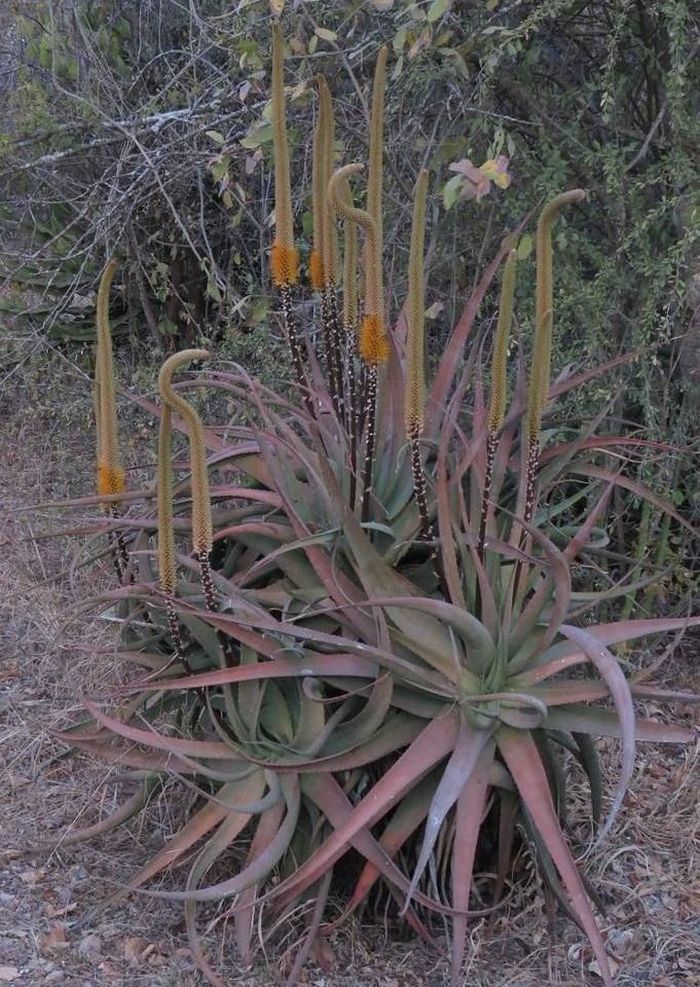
[111,478]
[284,261]
[542,351]
[497,403]
[415,344]
[202,533]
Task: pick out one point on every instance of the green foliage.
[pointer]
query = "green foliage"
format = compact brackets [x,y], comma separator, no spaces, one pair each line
[339,674]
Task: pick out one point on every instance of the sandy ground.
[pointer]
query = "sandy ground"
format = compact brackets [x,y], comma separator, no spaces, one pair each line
[647,874]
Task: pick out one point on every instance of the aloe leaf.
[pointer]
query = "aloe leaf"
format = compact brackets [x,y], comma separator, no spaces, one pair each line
[590,762]
[305,666]
[151,738]
[477,640]
[434,742]
[603,723]
[231,826]
[523,761]
[268,825]
[409,670]
[120,815]
[462,762]
[610,671]
[509,807]
[468,820]
[407,817]
[605,634]
[197,827]
[636,488]
[259,868]
[451,357]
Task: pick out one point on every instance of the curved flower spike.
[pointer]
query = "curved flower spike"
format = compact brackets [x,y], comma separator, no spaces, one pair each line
[202,536]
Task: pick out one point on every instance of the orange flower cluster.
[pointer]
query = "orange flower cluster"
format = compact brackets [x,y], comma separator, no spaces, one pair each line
[110,480]
[317,275]
[374,343]
[284,265]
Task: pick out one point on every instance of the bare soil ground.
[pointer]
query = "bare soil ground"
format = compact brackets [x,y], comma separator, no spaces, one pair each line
[647,873]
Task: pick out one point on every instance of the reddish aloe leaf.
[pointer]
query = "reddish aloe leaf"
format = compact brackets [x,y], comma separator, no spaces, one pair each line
[280,668]
[458,770]
[140,760]
[268,825]
[669,695]
[125,811]
[603,723]
[607,666]
[198,826]
[522,758]
[335,805]
[151,738]
[613,633]
[451,357]
[407,669]
[509,808]
[408,815]
[571,691]
[468,819]
[636,488]
[246,790]
[434,742]
[602,442]
[259,868]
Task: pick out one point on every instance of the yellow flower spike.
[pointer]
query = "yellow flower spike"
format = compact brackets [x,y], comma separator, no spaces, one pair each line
[284,261]
[544,310]
[374,303]
[373,342]
[202,529]
[497,406]
[319,182]
[111,478]
[376,150]
[330,236]
[349,264]
[415,340]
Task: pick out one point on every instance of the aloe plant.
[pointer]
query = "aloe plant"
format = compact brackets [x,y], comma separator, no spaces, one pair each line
[364,624]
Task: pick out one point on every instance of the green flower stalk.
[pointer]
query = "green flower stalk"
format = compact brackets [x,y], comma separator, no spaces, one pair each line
[202,529]
[497,403]
[111,478]
[415,356]
[542,352]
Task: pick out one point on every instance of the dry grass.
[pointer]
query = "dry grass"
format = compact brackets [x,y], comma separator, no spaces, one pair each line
[645,873]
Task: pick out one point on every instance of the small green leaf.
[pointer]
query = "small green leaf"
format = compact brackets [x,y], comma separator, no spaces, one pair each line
[263,135]
[450,191]
[437,9]
[324,34]
[215,136]
[524,247]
